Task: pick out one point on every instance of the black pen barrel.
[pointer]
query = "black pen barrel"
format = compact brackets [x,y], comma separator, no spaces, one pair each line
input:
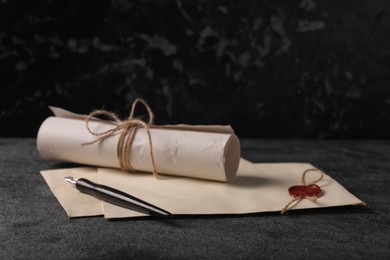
[119,198]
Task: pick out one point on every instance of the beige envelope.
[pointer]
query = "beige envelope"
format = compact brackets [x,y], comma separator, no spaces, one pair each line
[75,203]
[261,187]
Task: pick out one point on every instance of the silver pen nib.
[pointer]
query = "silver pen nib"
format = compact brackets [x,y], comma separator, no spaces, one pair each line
[71,180]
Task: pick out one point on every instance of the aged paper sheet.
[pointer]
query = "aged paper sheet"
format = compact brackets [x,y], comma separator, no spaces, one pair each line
[260,187]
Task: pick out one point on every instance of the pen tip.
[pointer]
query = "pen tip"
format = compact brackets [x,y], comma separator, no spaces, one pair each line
[71,180]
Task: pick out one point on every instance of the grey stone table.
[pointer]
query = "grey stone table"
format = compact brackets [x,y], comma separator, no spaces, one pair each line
[33,225]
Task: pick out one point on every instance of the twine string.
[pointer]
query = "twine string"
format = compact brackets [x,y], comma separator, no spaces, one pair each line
[127,130]
[303,181]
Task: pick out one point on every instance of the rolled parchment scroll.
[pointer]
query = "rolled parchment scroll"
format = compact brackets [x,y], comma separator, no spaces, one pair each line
[205,152]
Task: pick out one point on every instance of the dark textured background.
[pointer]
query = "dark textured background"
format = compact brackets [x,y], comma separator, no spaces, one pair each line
[286,69]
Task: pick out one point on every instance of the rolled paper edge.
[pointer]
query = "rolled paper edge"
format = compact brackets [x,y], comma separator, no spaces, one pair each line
[232,156]
[39,139]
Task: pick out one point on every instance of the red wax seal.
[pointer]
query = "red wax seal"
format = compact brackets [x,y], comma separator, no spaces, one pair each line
[302,191]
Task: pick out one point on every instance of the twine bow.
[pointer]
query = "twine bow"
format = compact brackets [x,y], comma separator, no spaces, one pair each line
[299,195]
[127,130]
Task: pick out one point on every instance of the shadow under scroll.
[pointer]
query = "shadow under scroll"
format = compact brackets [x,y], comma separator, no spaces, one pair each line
[252,181]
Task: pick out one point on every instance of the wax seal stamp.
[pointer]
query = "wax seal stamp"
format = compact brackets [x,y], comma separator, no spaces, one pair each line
[312,190]
[305,191]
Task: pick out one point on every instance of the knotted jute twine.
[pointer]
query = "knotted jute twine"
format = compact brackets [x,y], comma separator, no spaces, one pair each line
[301,197]
[127,130]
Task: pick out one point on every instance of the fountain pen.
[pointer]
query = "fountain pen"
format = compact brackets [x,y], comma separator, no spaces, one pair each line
[117,197]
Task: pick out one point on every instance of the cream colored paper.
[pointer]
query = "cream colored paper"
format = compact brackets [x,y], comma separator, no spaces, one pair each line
[75,203]
[257,188]
[204,152]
